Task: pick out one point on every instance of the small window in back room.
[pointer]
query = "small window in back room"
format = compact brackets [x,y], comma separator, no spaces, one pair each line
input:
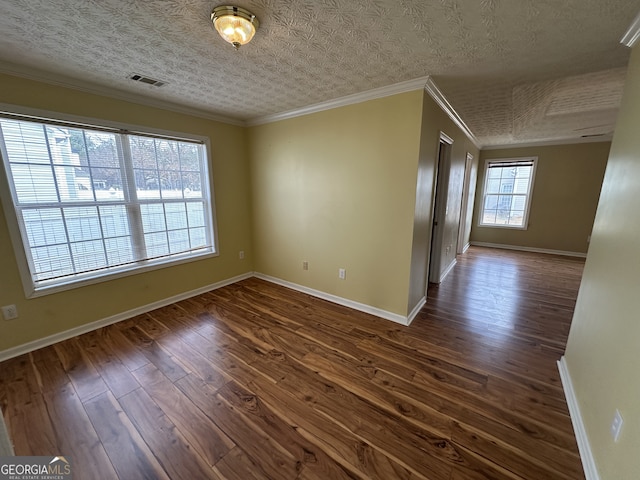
[507,193]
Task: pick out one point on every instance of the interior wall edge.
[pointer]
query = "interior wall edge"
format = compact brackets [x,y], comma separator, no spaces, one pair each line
[584,447]
[447,270]
[416,310]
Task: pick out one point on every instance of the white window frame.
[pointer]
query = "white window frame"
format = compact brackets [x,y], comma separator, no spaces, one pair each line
[529,195]
[80,280]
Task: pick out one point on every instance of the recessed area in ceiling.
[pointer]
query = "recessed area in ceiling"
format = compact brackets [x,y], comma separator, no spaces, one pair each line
[586,104]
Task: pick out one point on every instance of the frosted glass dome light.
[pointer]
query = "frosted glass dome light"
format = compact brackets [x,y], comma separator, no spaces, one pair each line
[234,24]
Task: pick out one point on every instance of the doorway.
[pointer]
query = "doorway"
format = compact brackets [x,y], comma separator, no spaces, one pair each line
[466,210]
[439,214]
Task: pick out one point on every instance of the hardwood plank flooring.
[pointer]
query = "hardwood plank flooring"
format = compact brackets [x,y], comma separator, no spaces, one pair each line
[256,381]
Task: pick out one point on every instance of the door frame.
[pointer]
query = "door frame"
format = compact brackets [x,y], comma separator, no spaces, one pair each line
[439,207]
[464,206]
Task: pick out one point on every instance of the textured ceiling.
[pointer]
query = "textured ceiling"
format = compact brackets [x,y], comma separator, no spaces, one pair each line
[516,71]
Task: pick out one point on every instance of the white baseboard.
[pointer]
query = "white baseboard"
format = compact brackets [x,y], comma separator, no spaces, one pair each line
[530,249]
[448,270]
[416,310]
[466,247]
[394,317]
[88,327]
[588,462]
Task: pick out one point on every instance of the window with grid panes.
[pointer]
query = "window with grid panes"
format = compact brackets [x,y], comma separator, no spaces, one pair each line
[507,193]
[92,202]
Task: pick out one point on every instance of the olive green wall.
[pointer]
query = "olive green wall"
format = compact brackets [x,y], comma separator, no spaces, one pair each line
[602,352]
[55,313]
[434,121]
[337,189]
[565,195]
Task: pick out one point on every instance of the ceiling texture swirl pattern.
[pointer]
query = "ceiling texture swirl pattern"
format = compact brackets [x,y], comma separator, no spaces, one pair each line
[516,71]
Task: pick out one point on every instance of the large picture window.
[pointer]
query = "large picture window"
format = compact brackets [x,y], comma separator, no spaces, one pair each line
[93,201]
[507,193]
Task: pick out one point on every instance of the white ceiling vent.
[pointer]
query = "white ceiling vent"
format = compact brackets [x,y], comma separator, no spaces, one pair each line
[149,81]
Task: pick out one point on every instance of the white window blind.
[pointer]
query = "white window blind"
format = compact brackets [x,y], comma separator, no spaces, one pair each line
[95,201]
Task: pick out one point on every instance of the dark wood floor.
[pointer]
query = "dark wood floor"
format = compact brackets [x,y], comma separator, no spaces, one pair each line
[256,381]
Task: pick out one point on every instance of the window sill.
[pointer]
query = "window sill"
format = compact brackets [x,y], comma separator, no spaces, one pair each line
[508,227]
[83,281]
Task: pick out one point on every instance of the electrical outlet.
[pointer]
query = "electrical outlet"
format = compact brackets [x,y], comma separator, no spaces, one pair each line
[305,265]
[241,254]
[616,426]
[342,273]
[10,312]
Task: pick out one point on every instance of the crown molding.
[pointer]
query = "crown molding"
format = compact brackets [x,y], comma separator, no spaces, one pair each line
[396,88]
[427,83]
[74,84]
[630,38]
[437,95]
[549,143]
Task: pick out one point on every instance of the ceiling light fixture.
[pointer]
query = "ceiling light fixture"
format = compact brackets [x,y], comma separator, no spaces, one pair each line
[234,24]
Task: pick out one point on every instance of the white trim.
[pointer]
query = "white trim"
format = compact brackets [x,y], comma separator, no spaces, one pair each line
[402,87]
[466,213]
[437,95]
[445,138]
[140,99]
[520,248]
[88,327]
[91,278]
[548,143]
[394,317]
[439,207]
[631,36]
[88,122]
[416,310]
[137,98]
[448,270]
[14,231]
[528,198]
[466,247]
[588,461]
